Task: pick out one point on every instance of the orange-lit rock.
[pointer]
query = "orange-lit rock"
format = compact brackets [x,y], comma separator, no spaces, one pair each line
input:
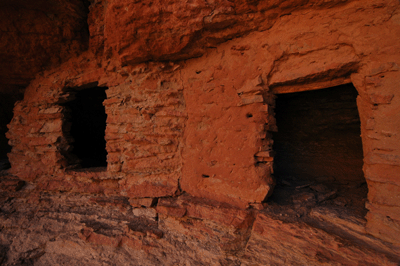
[189,116]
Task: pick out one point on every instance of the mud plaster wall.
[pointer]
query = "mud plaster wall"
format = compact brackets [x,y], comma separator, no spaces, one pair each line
[185,126]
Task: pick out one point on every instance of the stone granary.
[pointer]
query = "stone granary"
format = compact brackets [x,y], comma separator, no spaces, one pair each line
[200,132]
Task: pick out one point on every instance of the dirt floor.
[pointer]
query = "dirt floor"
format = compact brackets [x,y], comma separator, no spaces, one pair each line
[301,196]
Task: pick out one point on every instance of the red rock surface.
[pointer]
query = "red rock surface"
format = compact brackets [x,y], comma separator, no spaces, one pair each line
[53,229]
[38,35]
[190,112]
[148,30]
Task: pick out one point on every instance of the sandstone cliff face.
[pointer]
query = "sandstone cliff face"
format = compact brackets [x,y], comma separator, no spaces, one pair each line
[190,115]
[35,36]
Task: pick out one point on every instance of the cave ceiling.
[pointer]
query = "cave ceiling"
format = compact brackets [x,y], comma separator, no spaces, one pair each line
[35,35]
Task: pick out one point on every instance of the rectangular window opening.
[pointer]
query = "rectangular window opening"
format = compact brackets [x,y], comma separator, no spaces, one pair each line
[86,117]
[318,147]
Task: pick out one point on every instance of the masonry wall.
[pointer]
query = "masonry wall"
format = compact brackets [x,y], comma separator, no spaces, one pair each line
[202,126]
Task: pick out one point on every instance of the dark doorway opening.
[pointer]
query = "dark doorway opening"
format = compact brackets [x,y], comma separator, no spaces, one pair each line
[318,147]
[88,125]
[8,97]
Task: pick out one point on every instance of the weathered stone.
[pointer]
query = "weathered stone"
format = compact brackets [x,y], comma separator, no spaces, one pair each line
[383,227]
[384,193]
[10,184]
[297,244]
[142,202]
[190,150]
[39,36]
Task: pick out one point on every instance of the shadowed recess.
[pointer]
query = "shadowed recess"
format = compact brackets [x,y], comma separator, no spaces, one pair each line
[7,99]
[88,124]
[318,143]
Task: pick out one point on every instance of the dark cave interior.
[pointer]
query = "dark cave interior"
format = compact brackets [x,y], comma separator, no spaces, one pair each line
[88,124]
[318,147]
